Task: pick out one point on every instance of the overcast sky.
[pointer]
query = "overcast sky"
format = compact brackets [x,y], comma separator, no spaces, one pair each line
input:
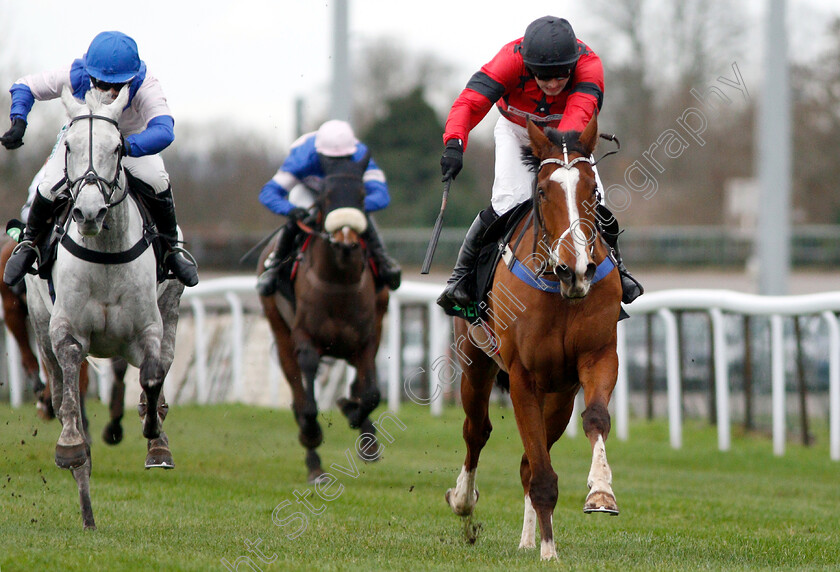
[245,62]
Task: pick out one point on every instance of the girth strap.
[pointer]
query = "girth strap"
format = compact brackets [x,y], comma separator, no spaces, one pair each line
[99,257]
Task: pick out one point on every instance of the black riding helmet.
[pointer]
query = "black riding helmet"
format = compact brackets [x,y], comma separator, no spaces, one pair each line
[550,48]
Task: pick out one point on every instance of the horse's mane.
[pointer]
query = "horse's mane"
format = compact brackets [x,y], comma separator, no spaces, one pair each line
[571,138]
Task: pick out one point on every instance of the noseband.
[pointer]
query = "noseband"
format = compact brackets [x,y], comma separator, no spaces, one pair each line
[90,176]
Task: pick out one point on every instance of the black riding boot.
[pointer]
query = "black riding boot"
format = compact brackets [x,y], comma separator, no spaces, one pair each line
[459,290]
[389,269]
[36,231]
[630,287]
[176,259]
[267,282]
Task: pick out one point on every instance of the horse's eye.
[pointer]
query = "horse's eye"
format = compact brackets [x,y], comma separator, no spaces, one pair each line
[541,193]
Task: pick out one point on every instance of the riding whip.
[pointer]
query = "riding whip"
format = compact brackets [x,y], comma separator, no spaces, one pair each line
[257,247]
[430,250]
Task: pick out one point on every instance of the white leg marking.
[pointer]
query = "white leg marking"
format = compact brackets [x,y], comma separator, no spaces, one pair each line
[529,526]
[463,497]
[600,475]
[548,551]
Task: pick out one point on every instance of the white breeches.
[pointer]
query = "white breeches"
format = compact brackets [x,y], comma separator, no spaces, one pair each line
[514,181]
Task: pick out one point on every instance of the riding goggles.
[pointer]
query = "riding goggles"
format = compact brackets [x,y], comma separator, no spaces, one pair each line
[548,74]
[105,86]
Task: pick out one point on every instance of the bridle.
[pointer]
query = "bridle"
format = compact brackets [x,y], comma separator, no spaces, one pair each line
[90,176]
[564,163]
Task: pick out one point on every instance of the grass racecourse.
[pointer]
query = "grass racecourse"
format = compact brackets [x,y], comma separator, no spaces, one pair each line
[692,509]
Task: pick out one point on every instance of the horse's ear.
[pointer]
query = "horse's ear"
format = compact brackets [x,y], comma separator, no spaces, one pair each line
[540,145]
[122,99]
[71,104]
[589,137]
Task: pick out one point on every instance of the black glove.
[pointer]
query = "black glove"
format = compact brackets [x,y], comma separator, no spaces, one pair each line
[452,160]
[297,214]
[13,138]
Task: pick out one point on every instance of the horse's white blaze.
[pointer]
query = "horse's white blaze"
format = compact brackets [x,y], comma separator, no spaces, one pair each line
[463,496]
[529,525]
[600,475]
[354,218]
[568,180]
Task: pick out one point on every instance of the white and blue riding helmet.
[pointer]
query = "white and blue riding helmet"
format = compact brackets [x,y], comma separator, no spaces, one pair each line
[112,58]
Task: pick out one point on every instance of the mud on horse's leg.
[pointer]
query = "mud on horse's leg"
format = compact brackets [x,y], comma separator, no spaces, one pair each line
[71,451]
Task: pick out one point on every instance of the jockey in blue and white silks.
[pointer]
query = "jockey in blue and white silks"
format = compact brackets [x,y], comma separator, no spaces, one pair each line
[111,63]
[287,194]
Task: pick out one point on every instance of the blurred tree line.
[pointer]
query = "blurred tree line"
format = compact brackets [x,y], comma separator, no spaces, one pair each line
[655,53]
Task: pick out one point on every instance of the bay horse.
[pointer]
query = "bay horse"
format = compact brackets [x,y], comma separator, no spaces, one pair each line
[105,299]
[15,316]
[337,310]
[552,337]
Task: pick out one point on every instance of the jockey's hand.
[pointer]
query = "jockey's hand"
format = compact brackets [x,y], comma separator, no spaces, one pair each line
[297,214]
[13,138]
[452,160]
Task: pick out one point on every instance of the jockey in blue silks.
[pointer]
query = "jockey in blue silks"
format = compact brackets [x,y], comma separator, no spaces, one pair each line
[111,62]
[333,139]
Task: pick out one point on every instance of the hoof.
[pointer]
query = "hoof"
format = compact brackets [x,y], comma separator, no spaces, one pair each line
[599,501]
[112,434]
[90,526]
[372,453]
[460,511]
[159,455]
[315,476]
[70,457]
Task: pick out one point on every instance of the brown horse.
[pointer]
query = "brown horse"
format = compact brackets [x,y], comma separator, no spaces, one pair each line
[15,315]
[337,311]
[552,337]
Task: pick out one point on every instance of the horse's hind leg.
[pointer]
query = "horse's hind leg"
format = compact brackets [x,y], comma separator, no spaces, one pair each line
[598,383]
[476,385]
[556,412]
[113,432]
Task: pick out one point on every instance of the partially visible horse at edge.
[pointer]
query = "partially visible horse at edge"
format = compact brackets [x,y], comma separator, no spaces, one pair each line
[107,300]
[550,343]
[337,310]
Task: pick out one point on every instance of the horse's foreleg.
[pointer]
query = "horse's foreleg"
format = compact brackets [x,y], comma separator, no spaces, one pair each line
[556,412]
[311,435]
[158,454]
[113,432]
[152,374]
[364,391]
[82,477]
[476,385]
[70,451]
[598,383]
[542,487]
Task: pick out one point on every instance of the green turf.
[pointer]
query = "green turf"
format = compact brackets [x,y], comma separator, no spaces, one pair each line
[693,509]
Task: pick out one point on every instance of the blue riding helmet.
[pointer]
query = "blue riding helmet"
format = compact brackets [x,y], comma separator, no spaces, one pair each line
[112,58]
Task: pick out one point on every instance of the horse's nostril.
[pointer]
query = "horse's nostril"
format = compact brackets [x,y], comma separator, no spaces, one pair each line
[101,214]
[590,271]
[564,273]
[77,215]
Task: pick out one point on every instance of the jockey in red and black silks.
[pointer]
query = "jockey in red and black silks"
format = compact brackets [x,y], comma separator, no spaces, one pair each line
[506,82]
[551,78]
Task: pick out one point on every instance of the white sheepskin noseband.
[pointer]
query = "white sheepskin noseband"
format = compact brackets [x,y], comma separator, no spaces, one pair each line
[339,218]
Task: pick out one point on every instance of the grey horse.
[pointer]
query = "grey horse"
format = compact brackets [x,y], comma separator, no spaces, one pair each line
[107,302]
